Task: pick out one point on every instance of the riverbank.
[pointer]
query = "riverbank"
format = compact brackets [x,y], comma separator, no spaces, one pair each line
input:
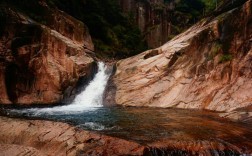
[54,138]
[157,131]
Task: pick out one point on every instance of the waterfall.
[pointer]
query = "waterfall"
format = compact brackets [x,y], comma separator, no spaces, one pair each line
[92,96]
[89,99]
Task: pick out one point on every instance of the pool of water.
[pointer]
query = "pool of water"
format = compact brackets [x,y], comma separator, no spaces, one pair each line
[148,125]
[165,131]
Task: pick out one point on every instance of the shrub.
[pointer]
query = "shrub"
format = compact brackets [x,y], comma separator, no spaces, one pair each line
[216,48]
[225,58]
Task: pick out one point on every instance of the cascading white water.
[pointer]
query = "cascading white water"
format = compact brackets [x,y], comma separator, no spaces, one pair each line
[92,95]
[90,98]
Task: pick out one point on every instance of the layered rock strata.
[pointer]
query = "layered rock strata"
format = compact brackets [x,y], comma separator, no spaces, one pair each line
[34,137]
[206,67]
[20,137]
[42,63]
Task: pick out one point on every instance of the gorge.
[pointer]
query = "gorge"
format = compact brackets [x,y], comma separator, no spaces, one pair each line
[161,132]
[191,96]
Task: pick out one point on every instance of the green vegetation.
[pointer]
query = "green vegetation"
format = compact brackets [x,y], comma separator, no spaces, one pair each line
[225,58]
[188,12]
[192,7]
[211,5]
[114,34]
[215,50]
[196,9]
[159,7]
[30,7]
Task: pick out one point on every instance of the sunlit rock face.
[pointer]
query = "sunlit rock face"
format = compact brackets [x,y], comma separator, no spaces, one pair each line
[53,138]
[206,67]
[42,63]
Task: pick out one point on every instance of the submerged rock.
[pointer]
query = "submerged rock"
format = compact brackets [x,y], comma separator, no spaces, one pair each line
[42,63]
[206,67]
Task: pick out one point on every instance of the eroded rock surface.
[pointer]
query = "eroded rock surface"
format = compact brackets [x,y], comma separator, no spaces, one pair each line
[206,67]
[43,138]
[14,150]
[42,63]
[53,138]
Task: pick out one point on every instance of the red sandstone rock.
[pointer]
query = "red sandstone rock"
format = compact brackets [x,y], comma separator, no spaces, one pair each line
[53,138]
[35,137]
[156,25]
[17,150]
[206,67]
[41,64]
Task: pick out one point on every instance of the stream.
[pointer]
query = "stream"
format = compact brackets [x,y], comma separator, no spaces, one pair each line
[172,130]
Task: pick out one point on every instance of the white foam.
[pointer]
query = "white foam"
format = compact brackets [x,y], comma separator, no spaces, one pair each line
[94,126]
[91,98]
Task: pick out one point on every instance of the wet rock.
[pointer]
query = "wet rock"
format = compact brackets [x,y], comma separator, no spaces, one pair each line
[197,147]
[19,136]
[206,67]
[53,138]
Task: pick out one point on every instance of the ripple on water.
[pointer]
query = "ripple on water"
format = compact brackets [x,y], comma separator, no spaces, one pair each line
[172,130]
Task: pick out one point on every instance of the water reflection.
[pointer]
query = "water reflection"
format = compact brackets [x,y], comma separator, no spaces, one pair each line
[161,128]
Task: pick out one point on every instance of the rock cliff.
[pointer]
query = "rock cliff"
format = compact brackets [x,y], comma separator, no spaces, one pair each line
[206,67]
[153,19]
[160,20]
[41,61]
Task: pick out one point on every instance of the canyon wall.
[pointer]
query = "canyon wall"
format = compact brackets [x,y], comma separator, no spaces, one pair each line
[206,67]
[153,18]
[161,20]
[42,61]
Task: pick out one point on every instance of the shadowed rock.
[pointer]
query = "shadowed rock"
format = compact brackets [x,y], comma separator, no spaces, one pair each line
[42,64]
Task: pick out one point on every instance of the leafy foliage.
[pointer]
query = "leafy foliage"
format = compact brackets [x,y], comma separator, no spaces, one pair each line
[185,13]
[114,34]
[225,58]
[196,9]
[30,7]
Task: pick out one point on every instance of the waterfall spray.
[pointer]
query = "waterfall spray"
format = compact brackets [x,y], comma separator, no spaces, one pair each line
[89,99]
